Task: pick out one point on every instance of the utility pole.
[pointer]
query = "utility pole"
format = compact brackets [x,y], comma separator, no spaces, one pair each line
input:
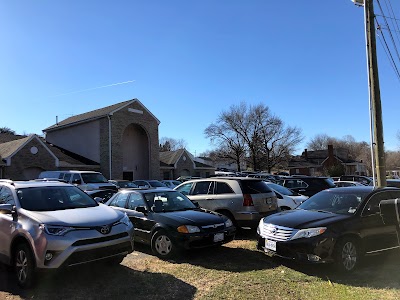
[378,151]
[375,94]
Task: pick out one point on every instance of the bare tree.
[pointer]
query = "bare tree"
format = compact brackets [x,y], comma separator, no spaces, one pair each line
[170,144]
[321,142]
[231,144]
[255,129]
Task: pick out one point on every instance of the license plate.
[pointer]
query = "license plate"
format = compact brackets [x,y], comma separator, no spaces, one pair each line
[270,245]
[218,237]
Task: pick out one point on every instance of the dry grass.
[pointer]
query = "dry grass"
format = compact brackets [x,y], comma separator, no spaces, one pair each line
[234,271]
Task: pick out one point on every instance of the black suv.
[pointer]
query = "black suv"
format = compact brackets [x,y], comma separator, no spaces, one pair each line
[307,185]
[365,180]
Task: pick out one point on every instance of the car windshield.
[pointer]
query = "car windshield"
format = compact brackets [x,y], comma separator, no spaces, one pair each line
[282,189]
[93,178]
[54,198]
[344,202]
[168,201]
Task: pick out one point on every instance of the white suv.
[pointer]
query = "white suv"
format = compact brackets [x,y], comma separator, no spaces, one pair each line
[244,200]
[48,225]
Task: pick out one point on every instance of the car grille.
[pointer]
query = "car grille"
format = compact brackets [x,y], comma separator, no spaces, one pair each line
[99,253]
[213,227]
[100,240]
[277,233]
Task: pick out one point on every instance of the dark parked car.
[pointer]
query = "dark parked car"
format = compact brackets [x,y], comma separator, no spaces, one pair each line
[104,195]
[168,221]
[307,185]
[365,180]
[336,225]
[149,184]
[124,184]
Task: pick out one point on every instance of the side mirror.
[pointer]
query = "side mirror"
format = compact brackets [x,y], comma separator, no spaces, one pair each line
[390,210]
[7,208]
[77,181]
[98,199]
[141,209]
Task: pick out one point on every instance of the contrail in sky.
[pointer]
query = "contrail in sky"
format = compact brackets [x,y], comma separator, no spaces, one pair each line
[96,88]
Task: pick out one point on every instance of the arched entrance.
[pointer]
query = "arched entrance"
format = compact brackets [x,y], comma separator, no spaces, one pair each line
[135,153]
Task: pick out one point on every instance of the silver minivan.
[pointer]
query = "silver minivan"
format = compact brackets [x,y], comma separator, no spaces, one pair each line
[244,200]
[49,225]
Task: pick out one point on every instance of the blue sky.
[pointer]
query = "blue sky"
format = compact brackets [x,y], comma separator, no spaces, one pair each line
[190,60]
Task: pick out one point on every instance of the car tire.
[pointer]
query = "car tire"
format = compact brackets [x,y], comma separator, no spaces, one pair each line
[24,265]
[162,245]
[347,255]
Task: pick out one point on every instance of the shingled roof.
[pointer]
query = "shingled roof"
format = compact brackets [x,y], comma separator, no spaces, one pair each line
[9,148]
[91,115]
[95,114]
[170,158]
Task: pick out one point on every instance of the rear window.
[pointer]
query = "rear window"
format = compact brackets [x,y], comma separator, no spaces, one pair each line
[255,187]
[320,182]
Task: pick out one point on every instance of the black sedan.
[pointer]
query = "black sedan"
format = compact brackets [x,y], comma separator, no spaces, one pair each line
[336,225]
[168,221]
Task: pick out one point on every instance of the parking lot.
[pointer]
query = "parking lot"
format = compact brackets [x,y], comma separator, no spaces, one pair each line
[234,271]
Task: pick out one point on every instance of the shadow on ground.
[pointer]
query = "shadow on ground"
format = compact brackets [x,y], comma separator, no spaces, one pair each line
[98,282]
[378,271]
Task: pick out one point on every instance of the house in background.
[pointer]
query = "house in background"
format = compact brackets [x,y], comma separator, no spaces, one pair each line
[315,163]
[174,164]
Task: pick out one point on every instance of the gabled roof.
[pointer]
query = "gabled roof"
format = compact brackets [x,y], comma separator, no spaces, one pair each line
[170,159]
[9,149]
[95,114]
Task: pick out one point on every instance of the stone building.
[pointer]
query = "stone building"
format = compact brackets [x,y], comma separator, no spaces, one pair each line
[121,141]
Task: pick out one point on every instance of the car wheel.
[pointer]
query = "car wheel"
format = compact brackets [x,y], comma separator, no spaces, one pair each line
[347,255]
[162,245]
[24,266]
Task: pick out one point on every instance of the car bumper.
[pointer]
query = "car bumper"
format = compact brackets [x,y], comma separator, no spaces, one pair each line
[204,239]
[310,250]
[80,248]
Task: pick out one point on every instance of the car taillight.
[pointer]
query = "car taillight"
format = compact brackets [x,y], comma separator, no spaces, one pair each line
[247,200]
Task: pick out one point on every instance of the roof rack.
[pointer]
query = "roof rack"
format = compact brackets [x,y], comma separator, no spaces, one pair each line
[50,179]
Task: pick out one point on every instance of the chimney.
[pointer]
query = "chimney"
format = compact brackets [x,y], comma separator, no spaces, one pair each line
[330,151]
[305,153]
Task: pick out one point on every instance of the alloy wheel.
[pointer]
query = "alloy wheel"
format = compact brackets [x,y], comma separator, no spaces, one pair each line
[349,255]
[21,265]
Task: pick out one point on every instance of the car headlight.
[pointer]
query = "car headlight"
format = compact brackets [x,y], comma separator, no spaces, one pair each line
[55,230]
[260,226]
[188,229]
[228,223]
[309,232]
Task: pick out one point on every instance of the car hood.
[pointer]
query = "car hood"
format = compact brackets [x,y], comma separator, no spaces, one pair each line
[300,218]
[89,216]
[189,217]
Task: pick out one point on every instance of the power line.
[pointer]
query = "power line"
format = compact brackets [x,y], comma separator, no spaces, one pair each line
[387,50]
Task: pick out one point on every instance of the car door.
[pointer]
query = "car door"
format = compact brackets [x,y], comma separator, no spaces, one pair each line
[202,193]
[376,235]
[297,185]
[143,222]
[7,222]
